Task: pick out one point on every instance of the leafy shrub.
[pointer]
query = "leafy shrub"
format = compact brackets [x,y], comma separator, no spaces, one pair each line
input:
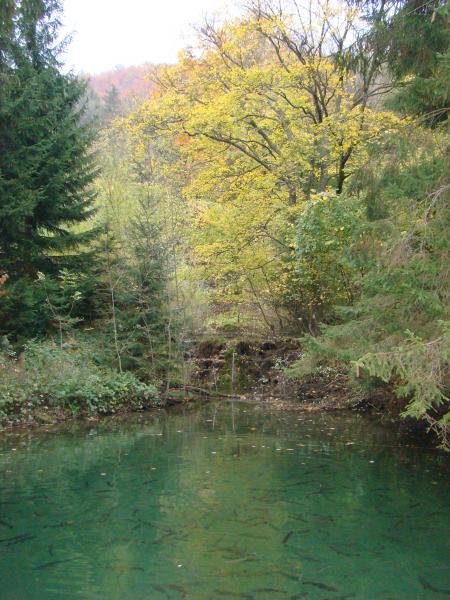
[330,256]
[47,377]
[397,330]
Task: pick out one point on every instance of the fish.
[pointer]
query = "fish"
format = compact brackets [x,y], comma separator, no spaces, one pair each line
[234,594]
[271,590]
[324,518]
[393,538]
[299,483]
[298,518]
[323,490]
[384,512]
[18,539]
[164,537]
[302,531]
[437,513]
[305,556]
[250,522]
[125,568]
[34,497]
[6,524]
[153,525]
[52,563]
[302,504]
[272,526]
[148,482]
[321,586]
[58,525]
[255,536]
[289,576]
[160,588]
[178,588]
[428,586]
[286,537]
[236,561]
[343,552]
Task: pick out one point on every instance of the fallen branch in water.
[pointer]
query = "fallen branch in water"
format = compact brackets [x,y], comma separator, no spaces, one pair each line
[203,391]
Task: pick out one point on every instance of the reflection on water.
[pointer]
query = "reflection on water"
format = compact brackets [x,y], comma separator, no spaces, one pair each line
[219,502]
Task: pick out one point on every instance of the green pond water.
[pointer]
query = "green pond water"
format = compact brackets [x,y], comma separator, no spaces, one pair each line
[223,501]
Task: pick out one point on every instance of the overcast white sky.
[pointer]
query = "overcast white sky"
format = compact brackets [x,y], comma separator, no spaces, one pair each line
[107,33]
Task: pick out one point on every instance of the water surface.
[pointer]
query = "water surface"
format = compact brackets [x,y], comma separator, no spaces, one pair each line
[222,501]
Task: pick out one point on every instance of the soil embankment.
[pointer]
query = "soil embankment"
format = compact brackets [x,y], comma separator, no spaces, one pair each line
[255,370]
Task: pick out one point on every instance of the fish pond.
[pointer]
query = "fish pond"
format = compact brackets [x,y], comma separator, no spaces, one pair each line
[222,501]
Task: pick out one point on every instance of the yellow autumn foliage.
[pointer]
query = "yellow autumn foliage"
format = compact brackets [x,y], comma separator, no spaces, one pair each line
[263,127]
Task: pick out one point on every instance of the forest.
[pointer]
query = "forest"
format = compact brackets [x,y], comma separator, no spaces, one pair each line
[286,179]
[224,303]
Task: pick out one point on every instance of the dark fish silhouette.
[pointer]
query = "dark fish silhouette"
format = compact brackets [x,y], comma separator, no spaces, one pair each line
[271,590]
[52,563]
[178,588]
[305,556]
[17,539]
[234,594]
[6,524]
[286,537]
[298,518]
[124,568]
[428,586]
[161,589]
[164,537]
[343,552]
[299,483]
[59,525]
[289,576]
[321,586]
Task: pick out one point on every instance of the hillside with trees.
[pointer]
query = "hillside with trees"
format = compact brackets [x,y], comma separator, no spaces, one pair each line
[130,82]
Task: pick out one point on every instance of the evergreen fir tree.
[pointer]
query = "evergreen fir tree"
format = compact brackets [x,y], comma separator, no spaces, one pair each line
[111,104]
[46,166]
[412,37]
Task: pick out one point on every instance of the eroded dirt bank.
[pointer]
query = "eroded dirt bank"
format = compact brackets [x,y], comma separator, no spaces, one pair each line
[257,371]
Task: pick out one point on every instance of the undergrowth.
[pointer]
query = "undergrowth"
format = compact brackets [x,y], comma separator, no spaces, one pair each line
[47,378]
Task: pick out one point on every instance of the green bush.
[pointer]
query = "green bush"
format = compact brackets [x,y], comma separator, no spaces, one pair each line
[397,330]
[48,378]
